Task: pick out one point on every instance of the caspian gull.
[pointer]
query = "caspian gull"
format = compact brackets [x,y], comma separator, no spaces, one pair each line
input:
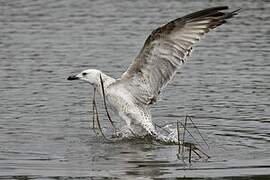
[164,51]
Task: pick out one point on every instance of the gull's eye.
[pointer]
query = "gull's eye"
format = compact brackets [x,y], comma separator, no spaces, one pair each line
[84,73]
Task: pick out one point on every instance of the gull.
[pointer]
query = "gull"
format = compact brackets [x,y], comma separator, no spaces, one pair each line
[165,50]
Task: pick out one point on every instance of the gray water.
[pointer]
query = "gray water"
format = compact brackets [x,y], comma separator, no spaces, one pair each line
[45,119]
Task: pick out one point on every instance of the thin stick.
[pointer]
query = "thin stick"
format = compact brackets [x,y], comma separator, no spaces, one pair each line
[104,100]
[97,118]
[183,141]
[179,143]
[198,131]
[98,123]
[195,141]
[189,156]
[178,138]
[94,111]
[196,153]
[203,153]
[94,115]
[162,128]
[191,135]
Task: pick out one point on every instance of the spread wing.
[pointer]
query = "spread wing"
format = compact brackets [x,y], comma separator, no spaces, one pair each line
[166,49]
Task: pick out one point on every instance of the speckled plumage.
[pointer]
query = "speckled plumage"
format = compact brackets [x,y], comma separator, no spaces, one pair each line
[164,51]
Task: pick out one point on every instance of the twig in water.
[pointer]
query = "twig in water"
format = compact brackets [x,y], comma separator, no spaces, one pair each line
[162,128]
[198,132]
[94,110]
[189,156]
[98,123]
[191,135]
[203,153]
[178,137]
[105,104]
[196,153]
[183,140]
[195,141]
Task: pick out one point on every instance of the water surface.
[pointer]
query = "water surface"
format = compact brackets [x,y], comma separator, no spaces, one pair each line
[45,119]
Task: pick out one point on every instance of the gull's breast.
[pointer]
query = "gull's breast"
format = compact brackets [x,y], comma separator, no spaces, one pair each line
[120,100]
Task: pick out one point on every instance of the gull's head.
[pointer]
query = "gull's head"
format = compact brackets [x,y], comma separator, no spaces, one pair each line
[90,75]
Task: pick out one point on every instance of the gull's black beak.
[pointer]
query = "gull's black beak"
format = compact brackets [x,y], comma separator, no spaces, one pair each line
[72,77]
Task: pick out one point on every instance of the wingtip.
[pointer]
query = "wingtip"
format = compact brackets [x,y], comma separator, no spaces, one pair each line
[231,14]
[235,12]
[217,11]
